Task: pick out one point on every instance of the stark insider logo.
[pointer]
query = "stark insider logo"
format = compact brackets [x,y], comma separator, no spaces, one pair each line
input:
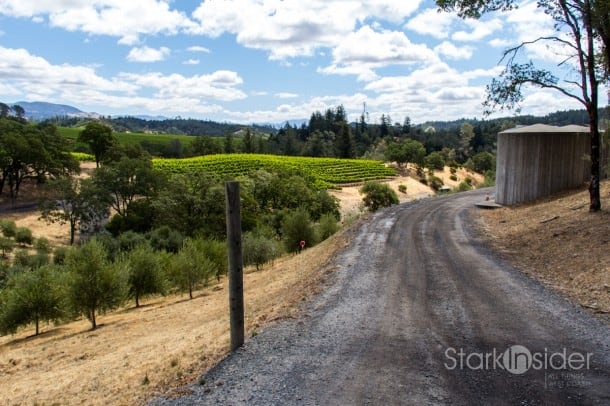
[516,360]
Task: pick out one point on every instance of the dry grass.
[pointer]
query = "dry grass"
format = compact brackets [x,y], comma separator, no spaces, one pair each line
[559,242]
[137,353]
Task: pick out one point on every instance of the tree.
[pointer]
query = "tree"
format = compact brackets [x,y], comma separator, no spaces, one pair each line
[344,142]
[191,268]
[297,227]
[73,201]
[405,151]
[94,285]
[248,141]
[145,276]
[378,195]
[466,136]
[125,181]
[583,29]
[31,297]
[32,152]
[99,138]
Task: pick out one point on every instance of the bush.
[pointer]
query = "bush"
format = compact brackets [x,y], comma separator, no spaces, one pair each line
[129,240]
[145,273]
[23,236]
[297,227]
[6,246]
[259,249]
[453,170]
[490,180]
[464,186]
[483,162]
[435,182]
[42,245]
[378,195]
[190,267]
[165,238]
[453,177]
[434,161]
[327,226]
[9,228]
[21,258]
[59,255]
[402,188]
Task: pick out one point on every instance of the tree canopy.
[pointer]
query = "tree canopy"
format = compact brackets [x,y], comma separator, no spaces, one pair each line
[582,28]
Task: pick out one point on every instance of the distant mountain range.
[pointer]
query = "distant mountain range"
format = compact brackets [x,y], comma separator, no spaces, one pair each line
[38,111]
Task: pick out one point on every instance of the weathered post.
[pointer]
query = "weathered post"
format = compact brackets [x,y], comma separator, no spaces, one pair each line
[236,264]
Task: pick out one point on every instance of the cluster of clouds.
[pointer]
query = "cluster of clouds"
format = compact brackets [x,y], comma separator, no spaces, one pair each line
[360,39]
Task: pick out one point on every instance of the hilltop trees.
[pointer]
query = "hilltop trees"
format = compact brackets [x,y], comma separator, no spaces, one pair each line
[32,152]
[99,138]
[583,28]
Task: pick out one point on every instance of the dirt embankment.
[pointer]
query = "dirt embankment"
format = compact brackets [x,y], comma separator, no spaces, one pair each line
[558,241]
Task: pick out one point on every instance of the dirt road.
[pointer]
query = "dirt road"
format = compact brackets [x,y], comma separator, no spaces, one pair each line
[420,312]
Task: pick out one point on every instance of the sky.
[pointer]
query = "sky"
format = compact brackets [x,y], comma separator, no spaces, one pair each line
[266,61]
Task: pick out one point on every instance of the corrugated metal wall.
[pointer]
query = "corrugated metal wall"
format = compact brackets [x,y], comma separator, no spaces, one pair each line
[531,165]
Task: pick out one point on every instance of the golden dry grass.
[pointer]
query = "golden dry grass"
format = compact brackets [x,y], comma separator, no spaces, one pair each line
[559,242]
[137,353]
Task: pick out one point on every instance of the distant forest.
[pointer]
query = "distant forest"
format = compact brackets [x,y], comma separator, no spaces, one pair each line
[329,134]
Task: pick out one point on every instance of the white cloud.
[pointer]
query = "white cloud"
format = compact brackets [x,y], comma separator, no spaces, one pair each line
[219,85]
[362,52]
[288,28]
[30,77]
[452,52]
[431,22]
[197,48]
[478,30]
[285,95]
[191,62]
[125,19]
[147,54]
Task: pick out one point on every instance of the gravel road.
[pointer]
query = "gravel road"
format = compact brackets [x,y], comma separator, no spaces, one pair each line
[420,312]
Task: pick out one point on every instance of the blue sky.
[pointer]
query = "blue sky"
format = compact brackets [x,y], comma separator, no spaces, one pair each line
[265,61]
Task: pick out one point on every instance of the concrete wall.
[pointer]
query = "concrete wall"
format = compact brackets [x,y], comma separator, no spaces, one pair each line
[537,161]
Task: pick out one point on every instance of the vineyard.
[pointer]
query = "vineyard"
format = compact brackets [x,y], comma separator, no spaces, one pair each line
[327,171]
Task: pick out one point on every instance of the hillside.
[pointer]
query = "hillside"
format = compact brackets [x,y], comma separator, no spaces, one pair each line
[560,243]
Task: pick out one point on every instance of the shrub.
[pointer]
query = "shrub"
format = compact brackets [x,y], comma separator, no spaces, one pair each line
[145,276]
[59,255]
[453,170]
[490,180]
[435,183]
[378,195]
[434,161]
[464,186]
[468,180]
[9,228]
[297,227]
[190,267]
[402,188]
[259,249]
[327,226]
[165,238]
[6,246]
[483,162]
[453,177]
[23,236]
[129,240]
[42,245]
[21,258]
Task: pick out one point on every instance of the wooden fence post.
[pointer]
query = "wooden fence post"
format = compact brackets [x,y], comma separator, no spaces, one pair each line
[236,264]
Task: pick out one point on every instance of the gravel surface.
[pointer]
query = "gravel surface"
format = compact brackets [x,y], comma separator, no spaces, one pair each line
[415,288]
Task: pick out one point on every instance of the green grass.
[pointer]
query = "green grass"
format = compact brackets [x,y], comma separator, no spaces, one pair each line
[328,172]
[132,138]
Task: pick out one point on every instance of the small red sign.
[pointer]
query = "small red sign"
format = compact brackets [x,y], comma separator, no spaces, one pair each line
[302,244]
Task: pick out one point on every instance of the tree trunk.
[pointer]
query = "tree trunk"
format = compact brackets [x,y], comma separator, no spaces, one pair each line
[37,326]
[594,194]
[93,323]
[137,300]
[72,230]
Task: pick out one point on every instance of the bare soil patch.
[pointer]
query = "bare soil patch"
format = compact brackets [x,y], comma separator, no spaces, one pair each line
[559,242]
[139,353]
